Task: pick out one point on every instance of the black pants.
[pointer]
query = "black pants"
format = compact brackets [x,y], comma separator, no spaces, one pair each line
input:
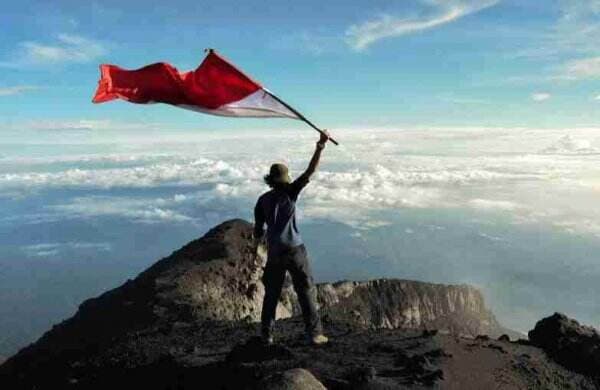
[294,260]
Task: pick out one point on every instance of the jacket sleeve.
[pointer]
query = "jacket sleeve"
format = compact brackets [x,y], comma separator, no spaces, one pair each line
[259,221]
[298,184]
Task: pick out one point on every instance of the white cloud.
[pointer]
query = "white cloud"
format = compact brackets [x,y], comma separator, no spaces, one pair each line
[312,42]
[578,27]
[490,237]
[540,96]
[17,89]
[574,32]
[461,100]
[597,97]
[360,36]
[181,173]
[370,183]
[573,36]
[66,48]
[54,248]
[490,204]
[584,68]
[578,226]
[373,174]
[82,124]
[144,211]
[567,144]
[86,124]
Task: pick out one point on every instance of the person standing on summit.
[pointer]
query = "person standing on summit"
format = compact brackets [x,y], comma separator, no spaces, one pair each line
[286,251]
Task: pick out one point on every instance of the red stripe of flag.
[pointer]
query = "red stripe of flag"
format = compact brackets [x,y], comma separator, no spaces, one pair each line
[213,84]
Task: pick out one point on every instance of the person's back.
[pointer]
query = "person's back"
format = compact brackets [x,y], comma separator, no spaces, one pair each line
[278,207]
[286,251]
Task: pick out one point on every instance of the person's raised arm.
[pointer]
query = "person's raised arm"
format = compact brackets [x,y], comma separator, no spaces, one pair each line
[314,161]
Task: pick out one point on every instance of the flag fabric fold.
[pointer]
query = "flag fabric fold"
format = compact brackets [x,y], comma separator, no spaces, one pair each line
[216,87]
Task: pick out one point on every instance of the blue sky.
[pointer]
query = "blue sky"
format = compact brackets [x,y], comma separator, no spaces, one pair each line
[480,163]
[343,63]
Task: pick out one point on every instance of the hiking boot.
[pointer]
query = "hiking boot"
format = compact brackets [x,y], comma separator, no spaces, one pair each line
[319,339]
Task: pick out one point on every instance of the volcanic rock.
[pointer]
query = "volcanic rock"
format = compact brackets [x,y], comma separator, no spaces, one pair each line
[294,379]
[394,303]
[573,345]
[189,322]
[217,278]
[504,338]
[254,350]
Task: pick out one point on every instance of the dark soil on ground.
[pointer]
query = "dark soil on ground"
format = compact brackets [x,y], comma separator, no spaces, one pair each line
[223,355]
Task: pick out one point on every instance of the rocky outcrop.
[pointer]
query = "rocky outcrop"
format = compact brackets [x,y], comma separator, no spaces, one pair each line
[187,322]
[217,278]
[394,303]
[573,345]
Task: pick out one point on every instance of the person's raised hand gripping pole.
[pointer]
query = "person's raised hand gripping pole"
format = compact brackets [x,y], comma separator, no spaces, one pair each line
[314,161]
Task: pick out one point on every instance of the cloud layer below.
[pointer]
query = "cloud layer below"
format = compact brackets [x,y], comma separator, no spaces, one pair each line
[534,176]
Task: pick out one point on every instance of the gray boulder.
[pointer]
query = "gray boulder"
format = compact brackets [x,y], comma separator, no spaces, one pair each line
[294,379]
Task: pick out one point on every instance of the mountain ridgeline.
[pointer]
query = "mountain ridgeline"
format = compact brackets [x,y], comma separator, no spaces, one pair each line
[218,277]
[192,316]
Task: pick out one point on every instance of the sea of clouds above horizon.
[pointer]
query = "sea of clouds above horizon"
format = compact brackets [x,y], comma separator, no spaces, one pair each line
[535,176]
[509,210]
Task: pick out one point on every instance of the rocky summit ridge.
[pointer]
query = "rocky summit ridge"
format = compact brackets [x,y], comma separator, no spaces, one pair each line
[189,321]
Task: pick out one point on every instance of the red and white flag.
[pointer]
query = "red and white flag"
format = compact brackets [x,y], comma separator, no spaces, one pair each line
[216,87]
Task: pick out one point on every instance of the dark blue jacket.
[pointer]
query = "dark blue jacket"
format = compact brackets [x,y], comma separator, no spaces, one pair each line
[277,208]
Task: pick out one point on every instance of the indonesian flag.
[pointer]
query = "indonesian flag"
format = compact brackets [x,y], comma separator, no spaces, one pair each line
[216,87]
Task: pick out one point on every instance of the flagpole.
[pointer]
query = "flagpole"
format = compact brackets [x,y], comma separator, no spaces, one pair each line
[300,116]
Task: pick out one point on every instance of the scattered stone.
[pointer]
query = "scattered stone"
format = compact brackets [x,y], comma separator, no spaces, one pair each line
[437,353]
[294,379]
[482,337]
[381,347]
[420,368]
[362,374]
[496,347]
[504,338]
[254,350]
[433,376]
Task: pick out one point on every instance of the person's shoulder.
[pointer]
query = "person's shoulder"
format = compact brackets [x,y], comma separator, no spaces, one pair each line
[303,179]
[265,195]
[299,183]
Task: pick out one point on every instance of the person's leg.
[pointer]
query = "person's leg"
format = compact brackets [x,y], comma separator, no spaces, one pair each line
[273,278]
[299,267]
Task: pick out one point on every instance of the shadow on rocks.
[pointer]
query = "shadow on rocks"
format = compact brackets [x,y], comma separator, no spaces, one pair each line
[254,350]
